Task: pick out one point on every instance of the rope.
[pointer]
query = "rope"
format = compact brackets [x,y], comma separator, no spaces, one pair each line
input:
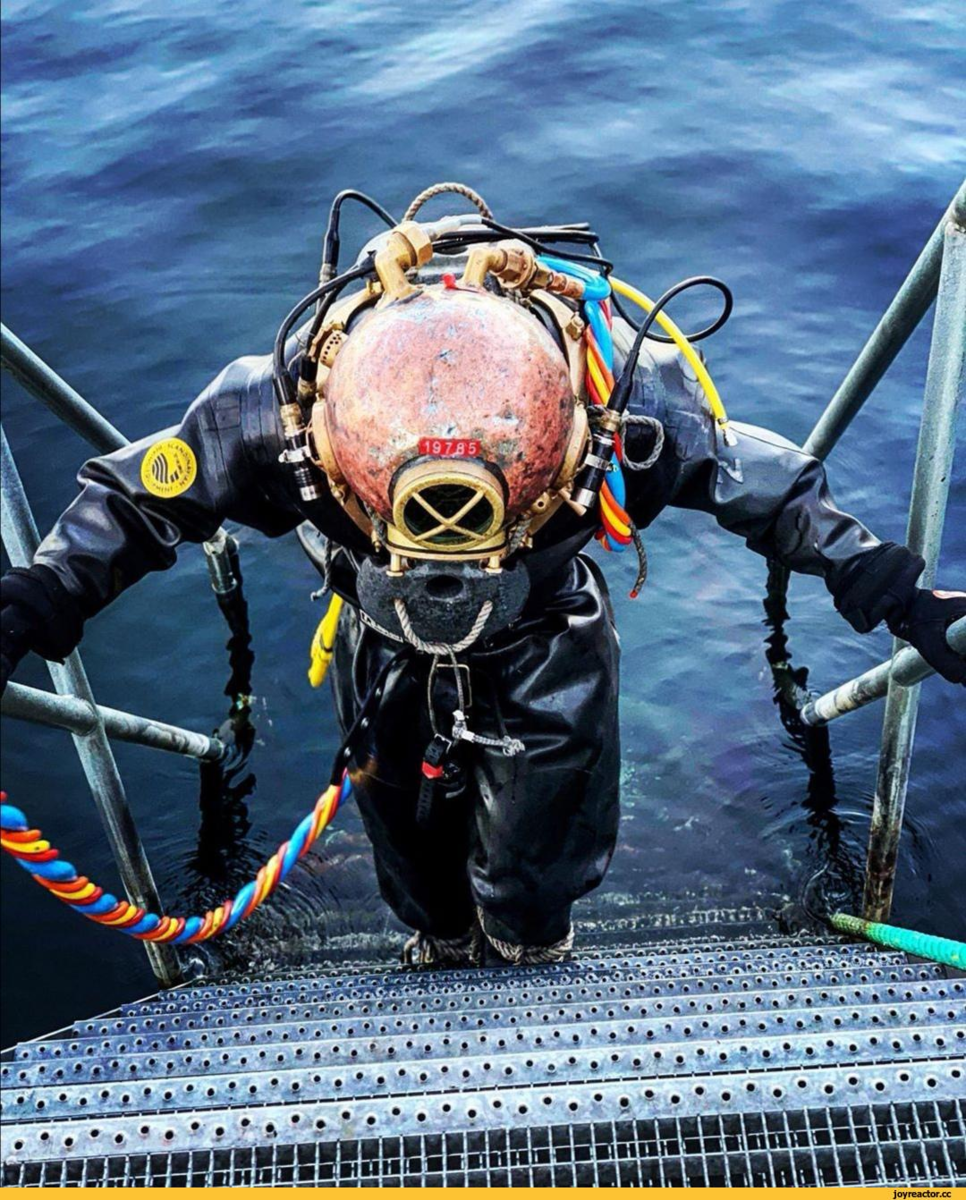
[644,464]
[517,537]
[41,860]
[413,638]
[424,950]
[529,956]
[439,189]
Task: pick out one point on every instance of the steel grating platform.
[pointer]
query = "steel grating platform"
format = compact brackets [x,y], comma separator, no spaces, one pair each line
[758,1060]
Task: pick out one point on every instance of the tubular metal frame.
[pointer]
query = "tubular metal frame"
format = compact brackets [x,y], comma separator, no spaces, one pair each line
[74,707]
[21,539]
[939,273]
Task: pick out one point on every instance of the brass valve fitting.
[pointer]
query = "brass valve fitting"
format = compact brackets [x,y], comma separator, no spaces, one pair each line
[408,246]
[516,266]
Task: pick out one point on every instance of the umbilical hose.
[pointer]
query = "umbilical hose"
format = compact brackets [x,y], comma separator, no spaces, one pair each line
[923,945]
[41,860]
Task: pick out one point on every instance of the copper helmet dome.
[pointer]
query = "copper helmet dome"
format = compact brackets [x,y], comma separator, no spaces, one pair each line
[448,413]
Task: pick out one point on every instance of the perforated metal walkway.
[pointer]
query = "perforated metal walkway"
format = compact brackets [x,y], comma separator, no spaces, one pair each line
[759,1061]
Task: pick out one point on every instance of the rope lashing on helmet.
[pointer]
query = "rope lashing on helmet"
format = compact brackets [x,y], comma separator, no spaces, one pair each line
[924,945]
[41,860]
[411,637]
[440,189]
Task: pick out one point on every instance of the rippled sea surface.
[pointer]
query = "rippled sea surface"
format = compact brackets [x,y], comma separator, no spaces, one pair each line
[167,168]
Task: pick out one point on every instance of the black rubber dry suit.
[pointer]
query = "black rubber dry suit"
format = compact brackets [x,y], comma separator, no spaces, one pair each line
[514,839]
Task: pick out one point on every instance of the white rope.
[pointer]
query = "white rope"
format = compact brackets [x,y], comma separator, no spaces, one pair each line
[413,638]
[410,635]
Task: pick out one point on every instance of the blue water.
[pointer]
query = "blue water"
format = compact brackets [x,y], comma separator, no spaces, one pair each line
[167,171]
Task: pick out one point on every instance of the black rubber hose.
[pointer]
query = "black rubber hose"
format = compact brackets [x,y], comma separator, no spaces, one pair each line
[330,243]
[282,382]
[622,389]
[691,337]
[698,336]
[593,259]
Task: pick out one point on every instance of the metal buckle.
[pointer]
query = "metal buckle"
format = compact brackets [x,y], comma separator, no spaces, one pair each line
[466,680]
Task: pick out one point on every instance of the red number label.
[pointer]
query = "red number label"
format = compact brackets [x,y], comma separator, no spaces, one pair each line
[450,447]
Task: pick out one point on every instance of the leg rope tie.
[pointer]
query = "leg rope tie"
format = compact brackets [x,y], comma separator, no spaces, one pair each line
[529,956]
[41,860]
[424,950]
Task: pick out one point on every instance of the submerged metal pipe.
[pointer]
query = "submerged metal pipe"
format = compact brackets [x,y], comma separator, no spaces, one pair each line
[81,716]
[945,381]
[908,307]
[20,537]
[908,667]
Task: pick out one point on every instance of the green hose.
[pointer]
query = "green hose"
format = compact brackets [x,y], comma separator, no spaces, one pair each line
[923,945]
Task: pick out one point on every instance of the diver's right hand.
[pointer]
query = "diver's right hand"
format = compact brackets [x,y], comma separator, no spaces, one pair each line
[35,614]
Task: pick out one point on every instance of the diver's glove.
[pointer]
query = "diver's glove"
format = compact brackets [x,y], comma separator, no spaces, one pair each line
[36,613]
[923,623]
[880,585]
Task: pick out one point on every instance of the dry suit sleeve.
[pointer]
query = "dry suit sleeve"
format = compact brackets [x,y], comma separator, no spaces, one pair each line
[765,489]
[138,504]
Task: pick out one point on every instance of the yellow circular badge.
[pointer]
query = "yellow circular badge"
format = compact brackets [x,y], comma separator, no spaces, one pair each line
[169,468]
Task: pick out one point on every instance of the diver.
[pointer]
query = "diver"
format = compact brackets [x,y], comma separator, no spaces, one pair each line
[458,416]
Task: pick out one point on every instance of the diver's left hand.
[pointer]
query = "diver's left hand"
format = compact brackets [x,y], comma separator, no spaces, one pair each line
[923,624]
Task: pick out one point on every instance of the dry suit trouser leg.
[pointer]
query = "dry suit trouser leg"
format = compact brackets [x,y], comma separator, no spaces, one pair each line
[518,839]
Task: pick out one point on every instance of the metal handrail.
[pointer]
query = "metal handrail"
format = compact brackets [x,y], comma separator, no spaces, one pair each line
[939,273]
[905,669]
[899,321]
[82,716]
[21,539]
[44,384]
[74,707]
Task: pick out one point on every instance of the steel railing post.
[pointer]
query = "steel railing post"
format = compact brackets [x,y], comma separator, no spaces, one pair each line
[927,511]
[909,305]
[43,382]
[20,537]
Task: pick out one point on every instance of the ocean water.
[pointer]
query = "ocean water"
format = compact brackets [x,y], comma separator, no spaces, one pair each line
[167,170]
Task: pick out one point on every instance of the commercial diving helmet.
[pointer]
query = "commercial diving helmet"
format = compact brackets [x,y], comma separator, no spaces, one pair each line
[448,425]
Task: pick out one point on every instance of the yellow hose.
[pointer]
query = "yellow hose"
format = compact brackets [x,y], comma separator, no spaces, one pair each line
[323,643]
[689,352]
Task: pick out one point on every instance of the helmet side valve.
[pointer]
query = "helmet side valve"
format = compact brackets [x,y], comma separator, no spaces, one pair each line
[598,460]
[516,266]
[296,452]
